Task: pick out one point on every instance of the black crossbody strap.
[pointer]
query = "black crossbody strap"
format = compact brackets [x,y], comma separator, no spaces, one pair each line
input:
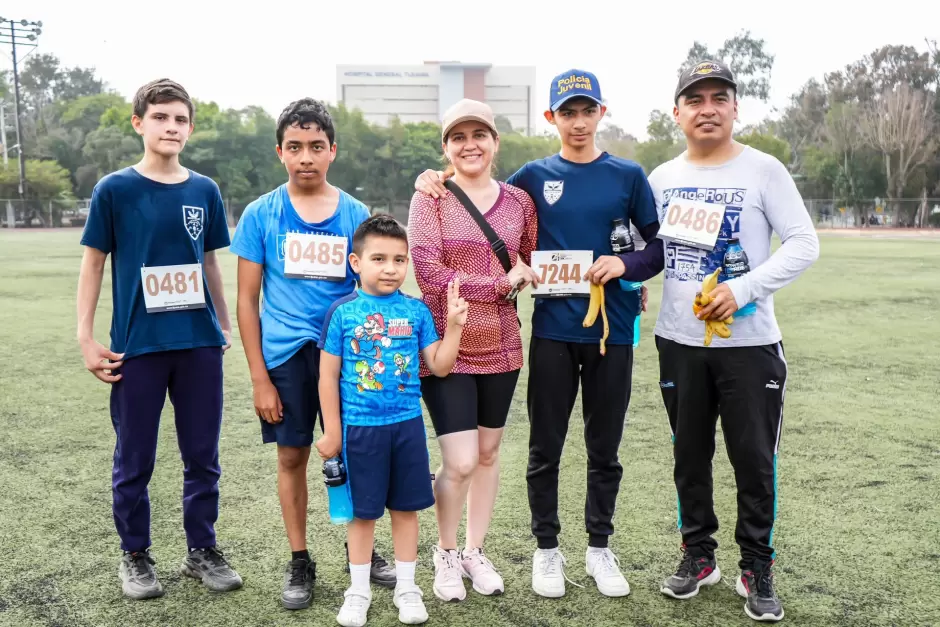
[496,243]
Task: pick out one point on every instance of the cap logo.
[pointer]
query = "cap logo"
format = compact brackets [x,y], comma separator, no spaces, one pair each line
[575,81]
[705,68]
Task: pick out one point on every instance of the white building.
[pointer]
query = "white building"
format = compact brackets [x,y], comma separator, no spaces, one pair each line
[422,93]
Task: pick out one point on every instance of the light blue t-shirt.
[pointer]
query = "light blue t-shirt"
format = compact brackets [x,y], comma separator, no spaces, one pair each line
[379,339]
[292,309]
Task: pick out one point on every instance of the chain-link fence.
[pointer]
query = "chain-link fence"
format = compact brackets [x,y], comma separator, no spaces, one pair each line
[876,212]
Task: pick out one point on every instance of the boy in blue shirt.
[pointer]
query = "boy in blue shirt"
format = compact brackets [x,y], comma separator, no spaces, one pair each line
[294,241]
[578,193]
[371,345]
[161,224]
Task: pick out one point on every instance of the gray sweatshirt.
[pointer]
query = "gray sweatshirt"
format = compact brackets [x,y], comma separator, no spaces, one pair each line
[760,199]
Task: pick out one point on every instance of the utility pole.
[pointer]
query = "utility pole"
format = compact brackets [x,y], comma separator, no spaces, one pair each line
[3,131]
[22,34]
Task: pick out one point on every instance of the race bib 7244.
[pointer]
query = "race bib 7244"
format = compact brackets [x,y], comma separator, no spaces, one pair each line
[561,272]
[692,223]
[315,256]
[173,288]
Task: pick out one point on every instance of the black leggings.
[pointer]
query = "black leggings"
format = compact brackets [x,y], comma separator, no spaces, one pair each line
[463,402]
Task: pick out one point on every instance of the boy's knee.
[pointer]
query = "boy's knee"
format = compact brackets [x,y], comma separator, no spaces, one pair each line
[291,458]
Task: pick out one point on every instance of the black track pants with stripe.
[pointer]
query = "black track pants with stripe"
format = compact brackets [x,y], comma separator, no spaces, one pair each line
[745,386]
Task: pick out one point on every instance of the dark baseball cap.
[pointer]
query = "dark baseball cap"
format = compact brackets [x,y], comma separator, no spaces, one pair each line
[704,71]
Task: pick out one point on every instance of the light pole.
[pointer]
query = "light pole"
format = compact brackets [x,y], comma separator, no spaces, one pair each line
[23,33]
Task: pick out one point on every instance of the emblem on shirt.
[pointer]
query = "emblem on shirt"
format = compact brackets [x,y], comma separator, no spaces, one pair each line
[194,218]
[552,191]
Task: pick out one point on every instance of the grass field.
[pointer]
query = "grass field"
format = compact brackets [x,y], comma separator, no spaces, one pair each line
[858,535]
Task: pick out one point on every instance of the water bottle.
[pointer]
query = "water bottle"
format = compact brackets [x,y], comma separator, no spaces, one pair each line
[621,241]
[334,476]
[736,264]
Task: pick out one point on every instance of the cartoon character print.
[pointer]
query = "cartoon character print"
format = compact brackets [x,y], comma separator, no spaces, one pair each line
[367,375]
[402,362]
[371,336]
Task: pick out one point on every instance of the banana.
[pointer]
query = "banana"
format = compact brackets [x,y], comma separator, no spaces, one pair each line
[721,329]
[710,282]
[709,331]
[594,306]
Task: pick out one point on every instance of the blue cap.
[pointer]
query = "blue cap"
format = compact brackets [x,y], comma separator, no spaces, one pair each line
[574,84]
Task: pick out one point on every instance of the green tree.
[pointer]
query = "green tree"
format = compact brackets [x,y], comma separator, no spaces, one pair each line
[746,56]
[770,144]
[108,149]
[665,142]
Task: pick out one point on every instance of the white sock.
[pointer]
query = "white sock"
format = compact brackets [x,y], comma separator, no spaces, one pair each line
[360,577]
[405,573]
[594,549]
[547,552]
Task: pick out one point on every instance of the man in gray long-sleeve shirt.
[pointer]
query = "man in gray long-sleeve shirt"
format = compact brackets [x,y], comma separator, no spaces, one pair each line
[720,190]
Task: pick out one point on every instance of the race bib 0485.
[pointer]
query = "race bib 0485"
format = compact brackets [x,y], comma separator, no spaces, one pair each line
[692,223]
[561,272]
[173,288]
[315,256]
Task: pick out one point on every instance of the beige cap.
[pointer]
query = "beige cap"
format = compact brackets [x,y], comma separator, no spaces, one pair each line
[464,111]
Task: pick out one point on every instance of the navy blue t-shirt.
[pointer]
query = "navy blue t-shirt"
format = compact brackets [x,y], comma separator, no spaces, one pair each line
[576,204]
[142,223]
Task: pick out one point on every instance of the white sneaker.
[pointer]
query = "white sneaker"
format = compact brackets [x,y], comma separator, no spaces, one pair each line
[604,566]
[548,573]
[481,572]
[355,608]
[408,600]
[448,575]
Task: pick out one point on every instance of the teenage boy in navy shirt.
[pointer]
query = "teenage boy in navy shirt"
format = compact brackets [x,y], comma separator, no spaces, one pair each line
[294,241]
[161,224]
[577,194]
[372,407]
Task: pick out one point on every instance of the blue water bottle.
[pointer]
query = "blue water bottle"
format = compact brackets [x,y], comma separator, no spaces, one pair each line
[334,476]
[735,265]
[621,241]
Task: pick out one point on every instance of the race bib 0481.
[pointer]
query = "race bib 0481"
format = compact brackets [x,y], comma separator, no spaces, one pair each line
[315,256]
[692,223]
[561,272]
[173,288]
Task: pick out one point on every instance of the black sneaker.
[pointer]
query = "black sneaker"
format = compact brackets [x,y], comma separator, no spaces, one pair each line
[757,586]
[298,584]
[138,577]
[209,566]
[381,573]
[693,573]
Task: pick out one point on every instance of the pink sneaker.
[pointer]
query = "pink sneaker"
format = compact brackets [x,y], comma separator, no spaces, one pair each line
[481,572]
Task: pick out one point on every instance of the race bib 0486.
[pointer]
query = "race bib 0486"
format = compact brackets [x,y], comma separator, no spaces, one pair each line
[561,272]
[692,223]
[173,288]
[315,256]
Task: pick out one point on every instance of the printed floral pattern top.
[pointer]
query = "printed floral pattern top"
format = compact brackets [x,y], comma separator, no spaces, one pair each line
[446,243]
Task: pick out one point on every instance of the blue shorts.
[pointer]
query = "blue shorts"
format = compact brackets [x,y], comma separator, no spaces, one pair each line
[388,467]
[296,382]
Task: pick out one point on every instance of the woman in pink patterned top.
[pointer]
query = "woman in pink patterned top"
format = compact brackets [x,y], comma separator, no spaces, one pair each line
[469,407]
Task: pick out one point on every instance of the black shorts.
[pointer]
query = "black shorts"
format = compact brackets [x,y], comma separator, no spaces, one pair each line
[296,381]
[463,402]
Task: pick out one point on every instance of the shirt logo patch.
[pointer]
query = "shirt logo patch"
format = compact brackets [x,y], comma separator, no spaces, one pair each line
[552,191]
[194,219]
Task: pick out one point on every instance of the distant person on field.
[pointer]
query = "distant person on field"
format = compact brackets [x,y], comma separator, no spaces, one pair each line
[469,407]
[293,244]
[748,195]
[161,224]
[578,193]
[371,344]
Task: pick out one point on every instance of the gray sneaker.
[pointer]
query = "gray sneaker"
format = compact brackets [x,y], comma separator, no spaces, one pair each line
[138,577]
[210,567]
[298,584]
[381,572]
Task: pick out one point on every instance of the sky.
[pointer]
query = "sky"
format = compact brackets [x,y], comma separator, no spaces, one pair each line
[274,52]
